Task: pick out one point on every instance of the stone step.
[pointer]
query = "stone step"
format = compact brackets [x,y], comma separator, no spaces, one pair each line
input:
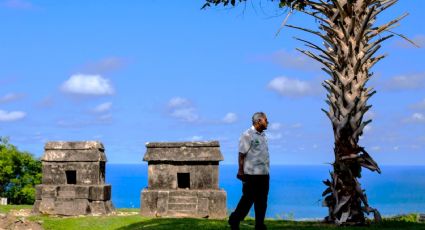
[182,207]
[183,200]
[183,192]
[181,213]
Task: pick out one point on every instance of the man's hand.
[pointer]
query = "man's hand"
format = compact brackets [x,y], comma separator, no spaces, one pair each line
[241,175]
[241,161]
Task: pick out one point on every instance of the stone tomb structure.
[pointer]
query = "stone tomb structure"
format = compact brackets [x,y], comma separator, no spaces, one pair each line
[183,180]
[73,180]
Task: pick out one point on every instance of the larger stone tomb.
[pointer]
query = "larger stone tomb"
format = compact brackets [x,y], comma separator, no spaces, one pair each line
[183,180]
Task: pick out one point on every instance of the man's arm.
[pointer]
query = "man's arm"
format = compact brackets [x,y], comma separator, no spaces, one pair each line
[241,160]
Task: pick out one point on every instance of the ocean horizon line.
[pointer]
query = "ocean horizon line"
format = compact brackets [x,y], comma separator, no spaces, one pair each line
[325,164]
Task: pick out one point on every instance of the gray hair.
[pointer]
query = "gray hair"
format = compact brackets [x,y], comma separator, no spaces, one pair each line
[256,117]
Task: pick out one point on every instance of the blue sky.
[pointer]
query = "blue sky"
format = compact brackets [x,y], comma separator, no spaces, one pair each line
[131,72]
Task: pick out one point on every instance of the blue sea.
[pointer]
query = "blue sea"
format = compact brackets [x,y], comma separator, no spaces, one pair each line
[295,191]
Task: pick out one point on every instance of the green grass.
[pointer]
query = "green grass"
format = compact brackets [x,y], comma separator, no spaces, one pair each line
[134,221]
[8,208]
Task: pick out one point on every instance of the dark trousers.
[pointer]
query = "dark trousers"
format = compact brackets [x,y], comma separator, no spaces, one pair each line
[255,190]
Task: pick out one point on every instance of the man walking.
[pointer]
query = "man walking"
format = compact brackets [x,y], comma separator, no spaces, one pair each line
[253,172]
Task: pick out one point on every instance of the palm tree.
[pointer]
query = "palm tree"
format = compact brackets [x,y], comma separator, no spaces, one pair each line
[350,43]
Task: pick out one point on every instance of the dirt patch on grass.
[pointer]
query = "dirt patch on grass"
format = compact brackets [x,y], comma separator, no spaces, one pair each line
[16,220]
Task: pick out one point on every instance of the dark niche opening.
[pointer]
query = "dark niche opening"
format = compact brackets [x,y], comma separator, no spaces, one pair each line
[183,180]
[71,177]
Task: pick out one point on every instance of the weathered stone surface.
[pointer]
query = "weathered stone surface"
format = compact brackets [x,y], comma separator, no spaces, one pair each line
[48,191]
[36,207]
[101,207]
[217,204]
[162,202]
[209,203]
[88,155]
[87,173]
[148,202]
[72,207]
[74,145]
[73,191]
[47,206]
[100,192]
[183,200]
[183,180]
[183,151]
[183,144]
[203,206]
[164,176]
[38,189]
[74,151]
[73,180]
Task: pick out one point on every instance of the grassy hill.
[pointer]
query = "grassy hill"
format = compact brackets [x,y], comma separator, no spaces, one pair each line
[126,219]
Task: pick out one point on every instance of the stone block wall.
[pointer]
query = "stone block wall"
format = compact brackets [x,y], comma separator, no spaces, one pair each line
[184,203]
[183,180]
[164,176]
[73,180]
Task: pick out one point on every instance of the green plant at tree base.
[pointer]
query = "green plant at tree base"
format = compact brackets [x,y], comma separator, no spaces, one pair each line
[19,173]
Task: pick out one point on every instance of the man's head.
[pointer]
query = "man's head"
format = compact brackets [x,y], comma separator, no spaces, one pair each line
[259,121]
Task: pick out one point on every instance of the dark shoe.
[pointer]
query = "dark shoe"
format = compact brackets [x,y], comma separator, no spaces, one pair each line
[233,225]
[260,227]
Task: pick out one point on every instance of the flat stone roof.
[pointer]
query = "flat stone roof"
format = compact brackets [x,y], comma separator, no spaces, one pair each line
[78,151]
[183,151]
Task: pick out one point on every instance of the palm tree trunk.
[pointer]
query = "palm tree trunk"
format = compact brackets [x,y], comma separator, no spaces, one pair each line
[350,42]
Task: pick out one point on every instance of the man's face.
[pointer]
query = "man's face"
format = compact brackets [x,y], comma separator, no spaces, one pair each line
[263,123]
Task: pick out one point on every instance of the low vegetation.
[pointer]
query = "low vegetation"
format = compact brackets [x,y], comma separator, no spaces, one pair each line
[126,219]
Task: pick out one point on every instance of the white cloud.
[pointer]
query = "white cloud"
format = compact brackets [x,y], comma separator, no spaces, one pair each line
[291,60]
[11,116]
[230,118]
[415,118]
[275,126]
[367,128]
[297,125]
[10,97]
[105,117]
[84,84]
[196,138]
[185,114]
[182,109]
[18,4]
[406,82]
[274,136]
[104,107]
[292,87]
[396,148]
[176,102]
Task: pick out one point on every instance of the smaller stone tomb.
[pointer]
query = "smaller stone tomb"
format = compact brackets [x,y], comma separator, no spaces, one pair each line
[73,180]
[183,180]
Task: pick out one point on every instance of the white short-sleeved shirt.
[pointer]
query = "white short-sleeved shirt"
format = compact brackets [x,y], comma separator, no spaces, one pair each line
[254,146]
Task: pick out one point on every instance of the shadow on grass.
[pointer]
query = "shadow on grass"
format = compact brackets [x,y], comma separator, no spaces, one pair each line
[177,223]
[200,224]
